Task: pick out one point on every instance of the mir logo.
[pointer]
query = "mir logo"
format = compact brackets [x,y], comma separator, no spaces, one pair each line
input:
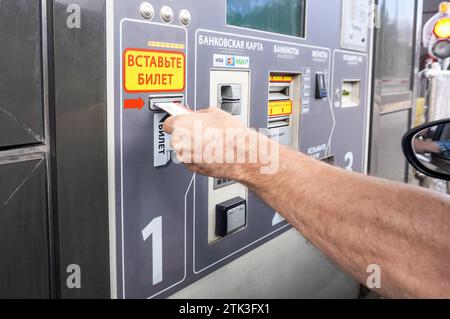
[242,62]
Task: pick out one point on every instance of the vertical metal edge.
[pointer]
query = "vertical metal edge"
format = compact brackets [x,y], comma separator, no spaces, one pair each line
[372,110]
[416,57]
[110,144]
[46,43]
[370,66]
[416,74]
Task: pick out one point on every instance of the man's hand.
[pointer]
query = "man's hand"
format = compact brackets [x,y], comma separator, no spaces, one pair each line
[213,143]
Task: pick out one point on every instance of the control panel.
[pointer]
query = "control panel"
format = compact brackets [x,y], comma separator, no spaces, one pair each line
[298,85]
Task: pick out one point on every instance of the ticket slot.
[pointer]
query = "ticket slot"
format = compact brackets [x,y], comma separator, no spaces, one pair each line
[153,100]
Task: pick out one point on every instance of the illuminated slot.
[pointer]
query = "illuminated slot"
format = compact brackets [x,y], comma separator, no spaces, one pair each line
[351,93]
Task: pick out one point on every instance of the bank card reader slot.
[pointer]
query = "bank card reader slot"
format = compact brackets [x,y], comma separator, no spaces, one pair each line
[230,98]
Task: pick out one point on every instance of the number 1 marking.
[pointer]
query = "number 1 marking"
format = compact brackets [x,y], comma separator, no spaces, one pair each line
[154,229]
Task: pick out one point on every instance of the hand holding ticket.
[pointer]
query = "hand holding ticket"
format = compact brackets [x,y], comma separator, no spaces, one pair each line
[173,108]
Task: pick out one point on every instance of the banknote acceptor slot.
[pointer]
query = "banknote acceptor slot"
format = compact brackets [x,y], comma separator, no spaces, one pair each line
[284,108]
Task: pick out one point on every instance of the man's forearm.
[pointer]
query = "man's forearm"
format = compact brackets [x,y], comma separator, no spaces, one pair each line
[356,220]
[406,233]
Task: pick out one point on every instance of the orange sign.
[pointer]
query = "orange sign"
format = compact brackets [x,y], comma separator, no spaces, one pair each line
[153,71]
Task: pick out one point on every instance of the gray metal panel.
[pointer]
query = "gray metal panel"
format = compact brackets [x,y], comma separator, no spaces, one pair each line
[80,68]
[396,63]
[395,55]
[431,6]
[347,142]
[388,149]
[21,111]
[295,269]
[24,270]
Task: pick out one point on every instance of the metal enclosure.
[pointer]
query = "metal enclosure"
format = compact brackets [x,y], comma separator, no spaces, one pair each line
[396,61]
[110,215]
[26,249]
[21,115]
[80,114]
[23,226]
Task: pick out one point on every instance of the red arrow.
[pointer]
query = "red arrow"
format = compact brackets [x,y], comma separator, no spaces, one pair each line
[134,104]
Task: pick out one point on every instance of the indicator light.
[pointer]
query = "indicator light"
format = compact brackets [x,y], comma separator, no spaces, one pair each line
[442,28]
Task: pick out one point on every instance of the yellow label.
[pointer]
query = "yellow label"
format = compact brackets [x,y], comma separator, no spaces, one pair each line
[281,78]
[277,108]
[153,71]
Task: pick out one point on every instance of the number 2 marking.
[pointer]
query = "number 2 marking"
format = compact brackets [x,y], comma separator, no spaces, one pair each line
[154,229]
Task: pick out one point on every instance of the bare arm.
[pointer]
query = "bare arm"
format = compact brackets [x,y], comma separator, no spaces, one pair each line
[355,220]
[358,221]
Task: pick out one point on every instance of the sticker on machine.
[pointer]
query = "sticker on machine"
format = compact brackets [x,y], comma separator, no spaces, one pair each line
[153,71]
[231,61]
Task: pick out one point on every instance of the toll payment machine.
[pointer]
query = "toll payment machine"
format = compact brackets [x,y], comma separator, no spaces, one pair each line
[149,228]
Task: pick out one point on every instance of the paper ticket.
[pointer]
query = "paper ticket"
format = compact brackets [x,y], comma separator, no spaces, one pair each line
[173,108]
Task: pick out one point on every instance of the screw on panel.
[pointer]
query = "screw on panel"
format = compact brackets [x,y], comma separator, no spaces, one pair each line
[167,14]
[185,17]
[147,11]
